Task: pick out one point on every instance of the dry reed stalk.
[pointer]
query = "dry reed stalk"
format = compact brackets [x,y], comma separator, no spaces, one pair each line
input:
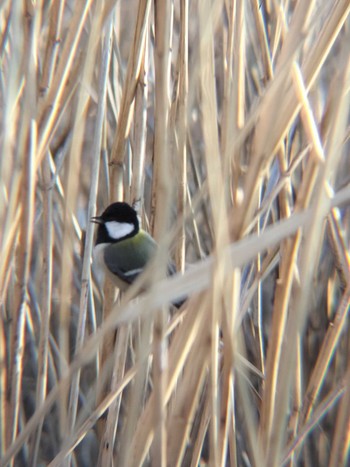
[49,110]
[116,159]
[43,346]
[181,134]
[27,138]
[241,253]
[86,273]
[126,107]
[231,120]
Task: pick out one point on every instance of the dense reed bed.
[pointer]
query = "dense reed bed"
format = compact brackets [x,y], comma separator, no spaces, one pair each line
[226,125]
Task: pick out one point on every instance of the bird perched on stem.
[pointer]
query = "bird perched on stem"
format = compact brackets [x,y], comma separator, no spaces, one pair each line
[122,247]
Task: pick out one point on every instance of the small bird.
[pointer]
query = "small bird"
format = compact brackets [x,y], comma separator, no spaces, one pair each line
[122,247]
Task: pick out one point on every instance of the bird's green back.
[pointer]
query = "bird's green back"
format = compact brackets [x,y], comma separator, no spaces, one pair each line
[127,258]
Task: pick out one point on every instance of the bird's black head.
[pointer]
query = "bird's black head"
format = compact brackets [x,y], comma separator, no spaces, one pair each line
[118,222]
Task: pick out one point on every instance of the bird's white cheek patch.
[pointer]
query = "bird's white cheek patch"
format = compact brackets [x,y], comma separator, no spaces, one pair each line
[117,230]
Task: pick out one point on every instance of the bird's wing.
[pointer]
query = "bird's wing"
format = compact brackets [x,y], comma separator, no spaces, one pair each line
[128,259]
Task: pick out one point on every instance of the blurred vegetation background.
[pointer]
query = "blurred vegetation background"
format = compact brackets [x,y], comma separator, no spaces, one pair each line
[226,124]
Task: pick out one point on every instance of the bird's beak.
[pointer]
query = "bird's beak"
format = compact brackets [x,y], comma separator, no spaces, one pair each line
[96,220]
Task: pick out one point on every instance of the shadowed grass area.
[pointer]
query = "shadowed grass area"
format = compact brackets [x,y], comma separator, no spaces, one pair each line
[226,125]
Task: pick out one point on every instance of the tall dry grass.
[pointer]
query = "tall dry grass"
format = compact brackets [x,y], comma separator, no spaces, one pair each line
[226,124]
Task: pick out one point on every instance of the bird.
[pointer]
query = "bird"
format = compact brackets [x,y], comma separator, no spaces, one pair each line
[122,247]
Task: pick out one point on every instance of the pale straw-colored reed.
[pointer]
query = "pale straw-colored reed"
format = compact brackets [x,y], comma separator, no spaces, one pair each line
[226,124]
